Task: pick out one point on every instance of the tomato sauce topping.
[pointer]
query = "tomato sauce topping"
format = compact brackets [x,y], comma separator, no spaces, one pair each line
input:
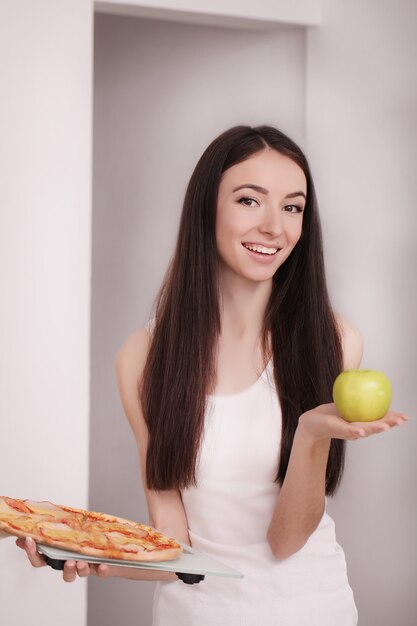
[18,505]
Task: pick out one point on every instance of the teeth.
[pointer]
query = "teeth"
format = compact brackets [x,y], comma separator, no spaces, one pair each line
[260,248]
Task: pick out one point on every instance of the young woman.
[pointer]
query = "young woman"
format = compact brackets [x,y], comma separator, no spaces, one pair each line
[228,392]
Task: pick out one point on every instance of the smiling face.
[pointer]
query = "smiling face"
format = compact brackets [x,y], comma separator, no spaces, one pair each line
[259,215]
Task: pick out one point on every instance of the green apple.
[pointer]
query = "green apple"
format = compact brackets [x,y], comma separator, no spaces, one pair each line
[362,395]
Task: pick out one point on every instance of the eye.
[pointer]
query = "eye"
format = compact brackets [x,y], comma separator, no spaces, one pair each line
[249,202]
[293,208]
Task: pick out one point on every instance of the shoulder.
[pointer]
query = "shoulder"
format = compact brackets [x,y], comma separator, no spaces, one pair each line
[133,352]
[352,342]
[129,364]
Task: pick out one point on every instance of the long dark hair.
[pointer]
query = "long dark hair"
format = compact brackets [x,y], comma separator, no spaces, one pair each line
[299,325]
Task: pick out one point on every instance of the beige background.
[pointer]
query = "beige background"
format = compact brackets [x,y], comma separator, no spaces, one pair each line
[346,91]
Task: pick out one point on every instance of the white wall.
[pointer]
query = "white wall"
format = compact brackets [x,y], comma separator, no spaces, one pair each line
[362,138]
[45,172]
[163,91]
[236,13]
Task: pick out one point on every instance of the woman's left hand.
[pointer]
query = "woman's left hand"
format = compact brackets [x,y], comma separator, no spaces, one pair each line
[324,422]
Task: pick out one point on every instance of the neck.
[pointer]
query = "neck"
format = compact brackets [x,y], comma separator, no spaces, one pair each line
[242,304]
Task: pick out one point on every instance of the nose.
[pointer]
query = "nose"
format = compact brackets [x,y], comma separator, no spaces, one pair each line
[271,221]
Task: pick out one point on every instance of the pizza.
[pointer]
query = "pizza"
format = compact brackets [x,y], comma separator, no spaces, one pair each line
[85,532]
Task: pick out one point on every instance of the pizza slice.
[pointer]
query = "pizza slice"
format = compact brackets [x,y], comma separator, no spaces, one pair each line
[86,532]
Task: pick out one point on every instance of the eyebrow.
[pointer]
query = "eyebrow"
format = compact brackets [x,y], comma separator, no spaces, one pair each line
[259,189]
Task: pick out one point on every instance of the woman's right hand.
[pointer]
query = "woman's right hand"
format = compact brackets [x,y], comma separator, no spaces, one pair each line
[71,570]
[82,569]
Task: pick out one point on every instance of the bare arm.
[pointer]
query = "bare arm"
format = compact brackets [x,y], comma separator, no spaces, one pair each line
[166,510]
[301,501]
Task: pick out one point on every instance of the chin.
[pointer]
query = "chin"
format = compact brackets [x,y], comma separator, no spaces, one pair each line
[260,276]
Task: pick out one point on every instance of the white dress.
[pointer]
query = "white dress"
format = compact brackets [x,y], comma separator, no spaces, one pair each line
[228,515]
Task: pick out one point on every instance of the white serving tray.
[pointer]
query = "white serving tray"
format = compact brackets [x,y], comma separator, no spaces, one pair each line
[190,562]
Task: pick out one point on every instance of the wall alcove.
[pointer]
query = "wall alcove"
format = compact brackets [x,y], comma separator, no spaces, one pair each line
[162,91]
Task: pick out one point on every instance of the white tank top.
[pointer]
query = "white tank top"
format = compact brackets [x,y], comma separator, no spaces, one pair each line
[228,514]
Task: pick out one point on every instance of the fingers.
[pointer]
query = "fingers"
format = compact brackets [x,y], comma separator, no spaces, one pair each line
[102,570]
[82,569]
[30,548]
[389,421]
[70,571]
[393,418]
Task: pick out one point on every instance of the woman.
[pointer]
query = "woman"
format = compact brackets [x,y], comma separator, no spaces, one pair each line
[237,440]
